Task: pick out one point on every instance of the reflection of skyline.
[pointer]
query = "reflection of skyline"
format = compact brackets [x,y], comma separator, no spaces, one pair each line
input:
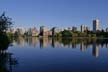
[55,43]
[95,49]
[32,41]
[43,42]
[84,44]
[20,41]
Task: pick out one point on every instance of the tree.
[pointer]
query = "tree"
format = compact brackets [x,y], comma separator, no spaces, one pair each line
[66,33]
[5,23]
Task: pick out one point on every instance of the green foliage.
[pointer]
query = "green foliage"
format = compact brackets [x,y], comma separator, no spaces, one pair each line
[74,34]
[82,34]
[5,23]
[89,35]
[66,33]
[93,35]
[57,34]
[10,34]
[102,33]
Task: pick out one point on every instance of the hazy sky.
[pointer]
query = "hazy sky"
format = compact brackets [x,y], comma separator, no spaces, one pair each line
[60,13]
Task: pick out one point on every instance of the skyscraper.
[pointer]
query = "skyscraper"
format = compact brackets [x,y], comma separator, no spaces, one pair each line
[95,25]
[82,28]
[43,31]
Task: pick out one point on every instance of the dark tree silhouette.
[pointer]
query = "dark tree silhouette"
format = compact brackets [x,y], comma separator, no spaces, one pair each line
[5,23]
[6,59]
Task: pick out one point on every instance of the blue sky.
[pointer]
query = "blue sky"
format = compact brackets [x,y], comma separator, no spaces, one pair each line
[60,13]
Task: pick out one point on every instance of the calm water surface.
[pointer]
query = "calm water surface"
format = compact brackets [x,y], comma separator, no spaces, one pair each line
[59,55]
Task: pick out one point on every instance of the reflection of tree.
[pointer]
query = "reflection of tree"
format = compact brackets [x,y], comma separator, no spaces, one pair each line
[6,59]
[102,42]
[7,62]
[66,41]
[85,43]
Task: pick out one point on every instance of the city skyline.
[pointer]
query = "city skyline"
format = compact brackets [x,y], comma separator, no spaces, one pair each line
[51,13]
[95,27]
[44,31]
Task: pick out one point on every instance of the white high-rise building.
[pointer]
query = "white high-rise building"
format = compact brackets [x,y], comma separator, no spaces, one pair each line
[95,25]
[82,28]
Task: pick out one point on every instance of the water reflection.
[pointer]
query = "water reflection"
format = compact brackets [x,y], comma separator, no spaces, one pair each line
[44,42]
[82,43]
[7,61]
[95,50]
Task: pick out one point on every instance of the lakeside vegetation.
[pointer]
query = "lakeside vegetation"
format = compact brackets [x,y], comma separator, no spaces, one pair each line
[5,24]
[6,58]
[85,34]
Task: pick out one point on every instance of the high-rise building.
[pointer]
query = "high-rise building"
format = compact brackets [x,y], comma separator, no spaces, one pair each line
[95,25]
[43,31]
[82,28]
